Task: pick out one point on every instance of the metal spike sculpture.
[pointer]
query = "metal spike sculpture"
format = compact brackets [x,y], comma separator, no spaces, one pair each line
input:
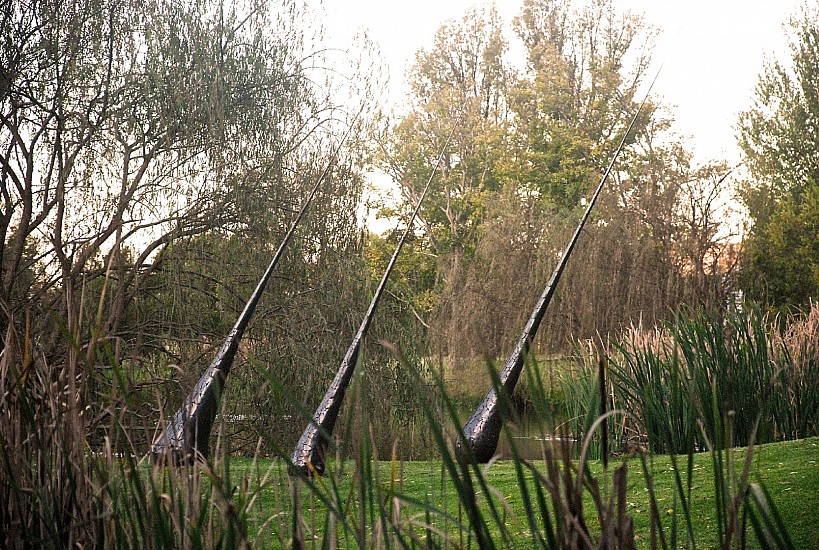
[187,437]
[308,456]
[482,431]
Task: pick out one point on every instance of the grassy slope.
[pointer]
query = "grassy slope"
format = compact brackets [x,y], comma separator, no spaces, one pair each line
[789,470]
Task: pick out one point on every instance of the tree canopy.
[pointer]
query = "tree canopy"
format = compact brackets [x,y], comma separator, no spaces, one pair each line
[151,155]
[779,136]
[529,144]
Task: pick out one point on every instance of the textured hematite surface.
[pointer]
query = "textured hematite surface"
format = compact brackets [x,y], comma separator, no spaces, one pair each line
[309,455]
[187,437]
[482,431]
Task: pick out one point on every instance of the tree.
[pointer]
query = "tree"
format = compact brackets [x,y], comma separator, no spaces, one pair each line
[577,95]
[781,261]
[127,127]
[458,88]
[567,114]
[779,136]
[145,125]
[656,238]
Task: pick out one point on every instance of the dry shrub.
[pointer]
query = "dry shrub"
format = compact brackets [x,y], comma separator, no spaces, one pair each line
[45,481]
[654,340]
[801,338]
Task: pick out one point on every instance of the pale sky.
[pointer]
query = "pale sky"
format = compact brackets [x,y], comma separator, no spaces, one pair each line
[711,51]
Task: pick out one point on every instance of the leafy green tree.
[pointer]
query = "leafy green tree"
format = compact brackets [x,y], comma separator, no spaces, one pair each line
[458,87]
[576,98]
[135,132]
[567,112]
[782,260]
[779,136]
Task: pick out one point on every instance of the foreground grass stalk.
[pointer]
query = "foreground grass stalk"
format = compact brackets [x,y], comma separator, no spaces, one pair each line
[559,501]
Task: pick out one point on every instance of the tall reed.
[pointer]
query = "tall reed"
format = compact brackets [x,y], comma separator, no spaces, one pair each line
[761,379]
[61,491]
[68,480]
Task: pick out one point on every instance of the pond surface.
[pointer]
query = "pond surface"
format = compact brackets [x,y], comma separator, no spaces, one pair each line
[531,443]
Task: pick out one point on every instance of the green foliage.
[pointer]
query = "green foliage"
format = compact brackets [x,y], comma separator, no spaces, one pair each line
[781,262]
[569,106]
[413,281]
[705,382]
[130,127]
[458,87]
[779,133]
[779,138]
[526,149]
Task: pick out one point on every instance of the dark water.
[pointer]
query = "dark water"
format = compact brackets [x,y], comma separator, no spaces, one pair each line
[531,445]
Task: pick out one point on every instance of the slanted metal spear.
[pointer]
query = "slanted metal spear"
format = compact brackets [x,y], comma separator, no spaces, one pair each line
[187,437]
[482,431]
[308,456]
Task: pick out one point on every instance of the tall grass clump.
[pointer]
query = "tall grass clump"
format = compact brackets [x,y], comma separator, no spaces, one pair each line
[799,342]
[70,481]
[44,483]
[580,385]
[760,379]
[61,489]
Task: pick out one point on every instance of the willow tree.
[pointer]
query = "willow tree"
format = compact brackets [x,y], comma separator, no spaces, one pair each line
[126,127]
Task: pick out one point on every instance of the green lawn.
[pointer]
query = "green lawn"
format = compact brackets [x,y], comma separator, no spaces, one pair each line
[790,472]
